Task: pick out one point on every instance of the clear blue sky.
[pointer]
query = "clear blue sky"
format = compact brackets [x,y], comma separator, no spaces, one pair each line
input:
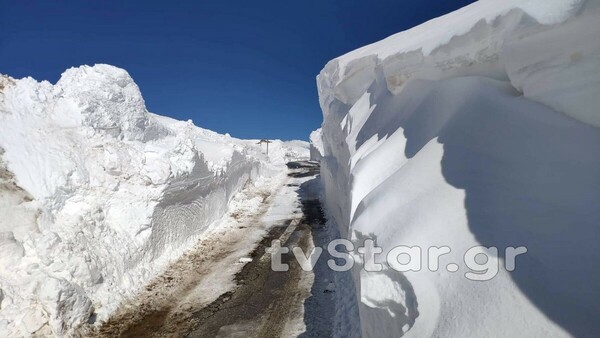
[243,67]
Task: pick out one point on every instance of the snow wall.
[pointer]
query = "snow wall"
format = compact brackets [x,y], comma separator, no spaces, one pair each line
[316,145]
[97,195]
[479,128]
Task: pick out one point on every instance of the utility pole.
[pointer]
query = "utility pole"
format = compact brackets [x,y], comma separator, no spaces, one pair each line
[267,142]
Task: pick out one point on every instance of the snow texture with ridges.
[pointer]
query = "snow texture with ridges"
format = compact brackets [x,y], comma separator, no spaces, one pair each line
[98,195]
[476,128]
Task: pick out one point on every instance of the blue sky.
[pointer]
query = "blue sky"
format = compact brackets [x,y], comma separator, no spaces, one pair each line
[243,67]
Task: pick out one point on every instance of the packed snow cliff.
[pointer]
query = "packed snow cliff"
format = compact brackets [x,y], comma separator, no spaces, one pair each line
[97,194]
[479,128]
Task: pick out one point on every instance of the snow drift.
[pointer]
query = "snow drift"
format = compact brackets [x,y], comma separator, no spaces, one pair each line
[97,194]
[478,128]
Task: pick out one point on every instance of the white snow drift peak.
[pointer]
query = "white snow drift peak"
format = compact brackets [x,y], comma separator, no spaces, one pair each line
[97,195]
[455,133]
[108,100]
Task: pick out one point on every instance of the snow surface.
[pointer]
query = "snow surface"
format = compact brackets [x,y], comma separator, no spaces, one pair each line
[97,195]
[476,128]
[316,145]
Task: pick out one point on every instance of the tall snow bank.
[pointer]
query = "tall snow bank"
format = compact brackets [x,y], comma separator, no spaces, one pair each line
[97,195]
[459,133]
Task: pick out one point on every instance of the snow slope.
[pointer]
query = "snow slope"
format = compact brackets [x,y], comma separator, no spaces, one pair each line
[476,128]
[97,195]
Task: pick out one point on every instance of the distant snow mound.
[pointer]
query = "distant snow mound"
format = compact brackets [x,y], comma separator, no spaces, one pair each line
[296,150]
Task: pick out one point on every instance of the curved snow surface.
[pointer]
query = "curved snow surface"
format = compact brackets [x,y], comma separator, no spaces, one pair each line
[97,195]
[316,145]
[460,133]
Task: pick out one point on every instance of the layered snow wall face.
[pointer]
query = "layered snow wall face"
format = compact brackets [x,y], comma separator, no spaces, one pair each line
[97,195]
[476,128]
[316,145]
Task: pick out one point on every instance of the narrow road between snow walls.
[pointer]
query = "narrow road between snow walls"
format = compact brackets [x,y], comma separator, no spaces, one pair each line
[226,286]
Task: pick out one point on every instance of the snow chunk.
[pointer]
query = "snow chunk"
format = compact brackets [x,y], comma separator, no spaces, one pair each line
[12,251]
[316,145]
[107,98]
[66,305]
